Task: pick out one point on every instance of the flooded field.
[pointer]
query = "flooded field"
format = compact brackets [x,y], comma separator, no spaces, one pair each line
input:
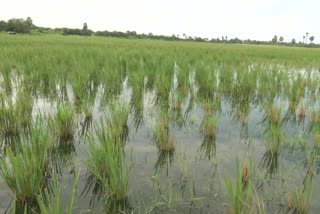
[95,125]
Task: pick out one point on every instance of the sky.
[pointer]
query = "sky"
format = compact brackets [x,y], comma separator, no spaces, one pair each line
[245,19]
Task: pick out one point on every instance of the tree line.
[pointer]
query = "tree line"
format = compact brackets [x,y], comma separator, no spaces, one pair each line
[26,25]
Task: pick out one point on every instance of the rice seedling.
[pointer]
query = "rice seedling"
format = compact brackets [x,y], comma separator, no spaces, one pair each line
[221,82]
[24,105]
[50,202]
[273,114]
[26,171]
[163,139]
[117,123]
[301,113]
[65,122]
[299,201]
[240,192]
[86,123]
[9,123]
[208,126]
[106,162]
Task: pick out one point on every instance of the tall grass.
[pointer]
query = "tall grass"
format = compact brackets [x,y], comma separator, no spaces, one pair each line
[26,170]
[65,122]
[51,202]
[106,161]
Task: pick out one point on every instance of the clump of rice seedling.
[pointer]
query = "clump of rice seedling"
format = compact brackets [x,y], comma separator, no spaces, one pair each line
[117,122]
[164,141]
[270,158]
[24,104]
[9,123]
[50,202]
[273,114]
[209,126]
[301,112]
[106,162]
[300,200]
[315,119]
[240,192]
[65,121]
[26,170]
[86,124]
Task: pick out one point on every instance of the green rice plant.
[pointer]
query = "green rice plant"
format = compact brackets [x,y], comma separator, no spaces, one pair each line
[301,113]
[240,192]
[106,162]
[269,160]
[24,105]
[315,119]
[273,114]
[117,122]
[137,83]
[26,170]
[163,139]
[300,200]
[65,122]
[86,123]
[9,123]
[210,121]
[50,202]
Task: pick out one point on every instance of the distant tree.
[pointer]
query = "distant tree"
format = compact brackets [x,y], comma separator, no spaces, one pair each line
[29,22]
[18,25]
[307,37]
[3,26]
[274,39]
[281,39]
[311,39]
[293,41]
[304,37]
[85,26]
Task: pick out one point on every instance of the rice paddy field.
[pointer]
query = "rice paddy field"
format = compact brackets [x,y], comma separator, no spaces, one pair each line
[105,125]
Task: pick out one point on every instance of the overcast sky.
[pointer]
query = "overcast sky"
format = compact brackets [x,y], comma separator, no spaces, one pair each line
[253,19]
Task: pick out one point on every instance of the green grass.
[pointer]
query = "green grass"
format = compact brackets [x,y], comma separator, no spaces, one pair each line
[65,122]
[51,202]
[26,170]
[106,161]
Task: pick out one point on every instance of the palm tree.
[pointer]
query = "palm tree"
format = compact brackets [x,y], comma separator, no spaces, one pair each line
[307,37]
[304,37]
[311,39]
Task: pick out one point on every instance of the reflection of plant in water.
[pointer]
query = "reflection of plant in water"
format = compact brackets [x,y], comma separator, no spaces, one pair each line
[176,108]
[50,202]
[208,146]
[117,206]
[63,156]
[86,125]
[165,158]
[269,160]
